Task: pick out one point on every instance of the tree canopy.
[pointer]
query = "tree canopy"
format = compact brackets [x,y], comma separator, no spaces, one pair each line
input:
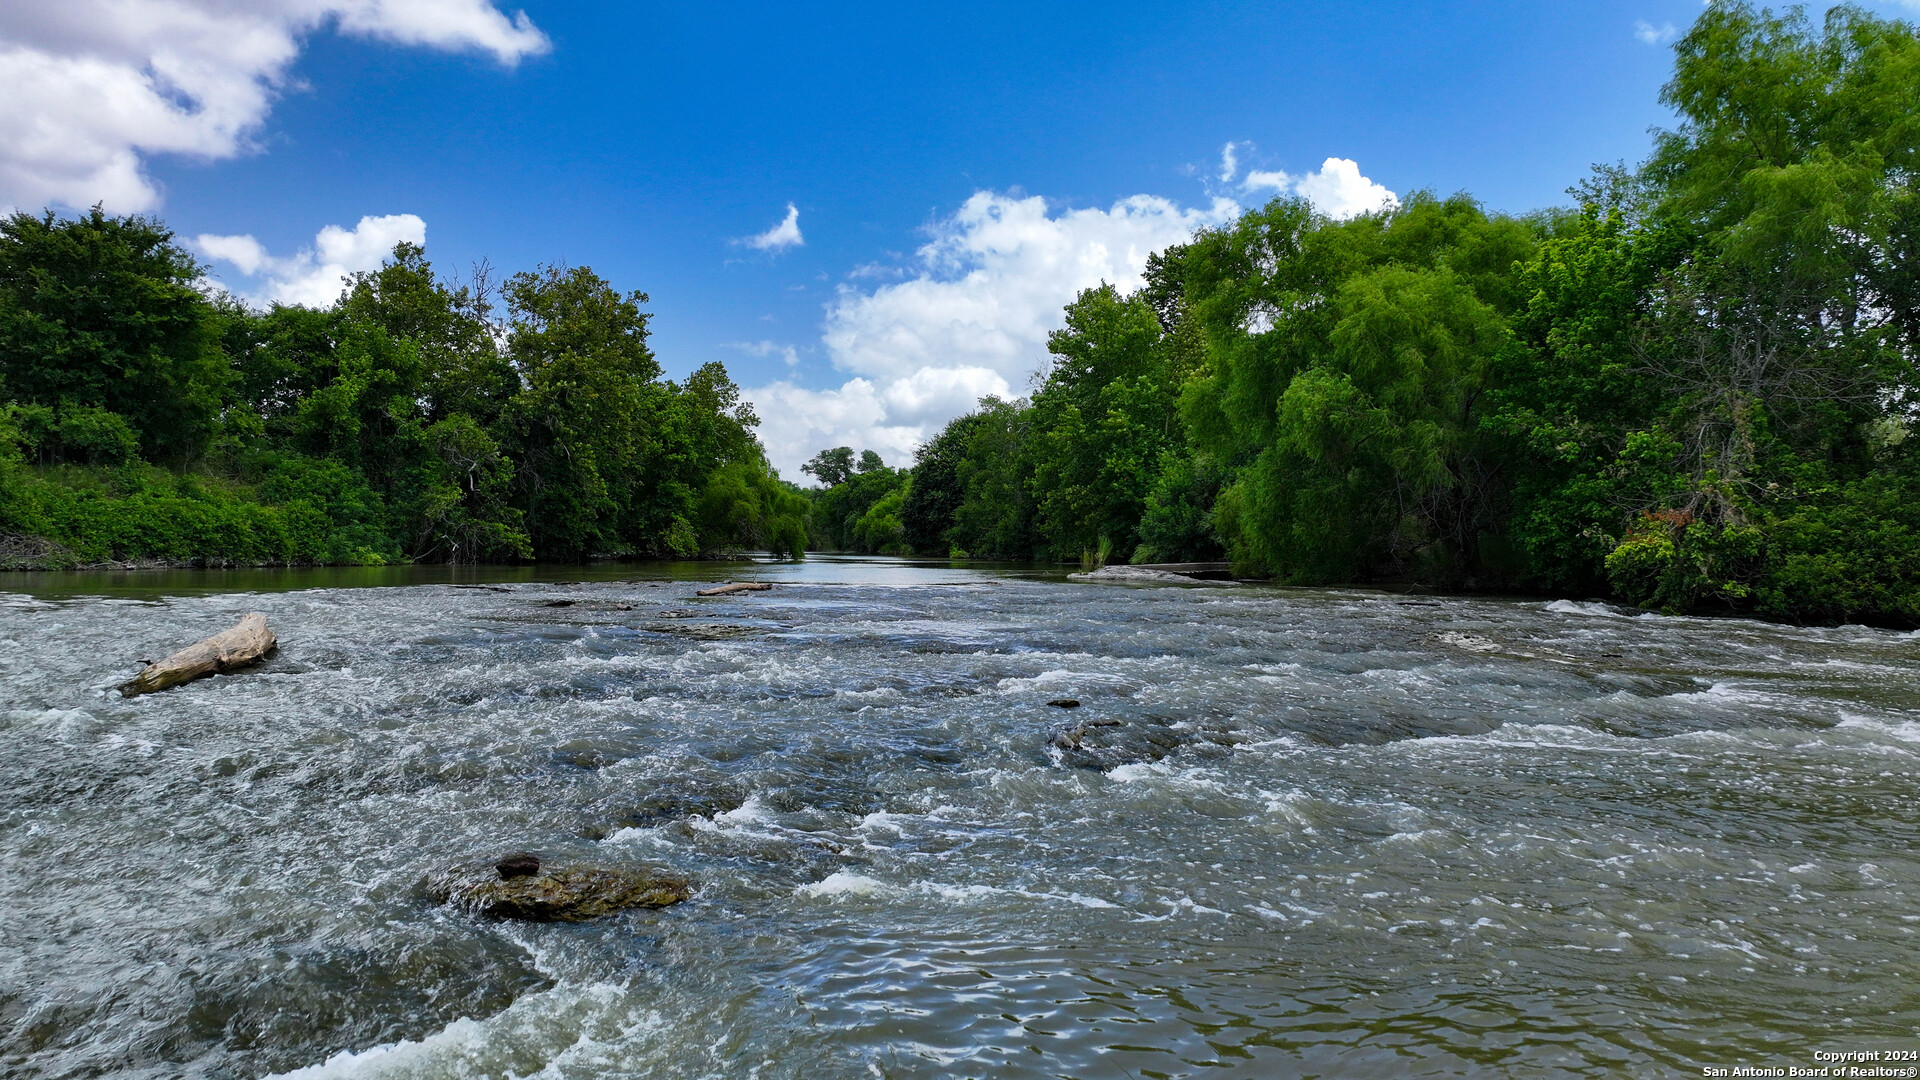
[412,419]
[1693,389]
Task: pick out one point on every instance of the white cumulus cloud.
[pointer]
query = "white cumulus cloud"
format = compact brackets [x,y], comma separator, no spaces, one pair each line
[970,318]
[1337,190]
[312,277]
[91,88]
[784,235]
[990,283]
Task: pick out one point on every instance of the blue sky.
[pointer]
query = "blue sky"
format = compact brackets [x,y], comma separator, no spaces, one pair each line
[954,172]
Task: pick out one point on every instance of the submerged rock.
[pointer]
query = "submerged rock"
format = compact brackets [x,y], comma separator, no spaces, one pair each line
[1064,703]
[520,887]
[1469,642]
[701,631]
[663,807]
[1474,643]
[1105,744]
[1141,575]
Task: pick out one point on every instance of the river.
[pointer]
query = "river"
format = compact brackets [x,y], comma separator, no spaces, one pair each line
[1309,832]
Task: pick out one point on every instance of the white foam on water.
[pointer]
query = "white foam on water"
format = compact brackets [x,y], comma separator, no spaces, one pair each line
[1274,668]
[1137,771]
[1288,805]
[1072,898]
[1191,779]
[23,602]
[535,1034]
[751,812]
[1179,905]
[961,894]
[1058,677]
[1583,607]
[1423,838]
[881,819]
[751,820]
[1906,731]
[641,834]
[1516,737]
[842,883]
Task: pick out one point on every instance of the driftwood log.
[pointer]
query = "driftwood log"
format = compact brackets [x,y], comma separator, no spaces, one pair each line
[738,586]
[248,642]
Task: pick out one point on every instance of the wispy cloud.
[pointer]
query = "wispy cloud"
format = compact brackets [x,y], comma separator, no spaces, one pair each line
[781,236]
[95,87]
[312,277]
[1654,35]
[787,353]
[1229,164]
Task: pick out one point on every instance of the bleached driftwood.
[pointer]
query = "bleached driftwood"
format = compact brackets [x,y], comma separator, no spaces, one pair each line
[246,643]
[738,586]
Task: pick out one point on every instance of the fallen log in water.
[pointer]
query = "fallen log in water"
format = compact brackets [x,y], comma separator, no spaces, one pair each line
[738,586]
[246,643]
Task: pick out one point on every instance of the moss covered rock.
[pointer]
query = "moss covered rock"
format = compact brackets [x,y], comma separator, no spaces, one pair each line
[559,893]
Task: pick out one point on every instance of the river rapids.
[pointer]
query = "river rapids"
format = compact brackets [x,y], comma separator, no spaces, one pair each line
[1308,832]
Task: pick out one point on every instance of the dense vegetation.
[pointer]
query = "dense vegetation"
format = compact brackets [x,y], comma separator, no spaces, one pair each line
[857,508]
[146,421]
[1692,391]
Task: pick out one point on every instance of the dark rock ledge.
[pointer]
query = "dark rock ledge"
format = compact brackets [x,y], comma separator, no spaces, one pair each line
[521,886]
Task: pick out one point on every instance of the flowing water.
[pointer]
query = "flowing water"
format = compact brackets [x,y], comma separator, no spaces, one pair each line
[1306,832]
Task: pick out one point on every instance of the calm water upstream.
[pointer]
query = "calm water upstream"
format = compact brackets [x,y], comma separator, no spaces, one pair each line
[1333,833]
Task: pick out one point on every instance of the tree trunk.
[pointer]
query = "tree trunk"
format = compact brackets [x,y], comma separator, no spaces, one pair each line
[247,643]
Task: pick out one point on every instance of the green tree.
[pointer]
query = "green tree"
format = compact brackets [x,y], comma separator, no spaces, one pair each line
[1100,424]
[841,507]
[101,312]
[831,467]
[933,499]
[575,427]
[462,370]
[1349,376]
[994,516]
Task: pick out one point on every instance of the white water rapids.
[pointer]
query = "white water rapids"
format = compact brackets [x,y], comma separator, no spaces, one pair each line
[1318,832]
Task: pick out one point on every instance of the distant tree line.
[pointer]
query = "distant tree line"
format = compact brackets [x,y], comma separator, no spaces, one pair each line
[857,508]
[146,419]
[1692,391]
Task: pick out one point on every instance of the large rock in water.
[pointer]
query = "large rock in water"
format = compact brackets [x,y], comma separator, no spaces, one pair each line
[520,888]
[1143,575]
